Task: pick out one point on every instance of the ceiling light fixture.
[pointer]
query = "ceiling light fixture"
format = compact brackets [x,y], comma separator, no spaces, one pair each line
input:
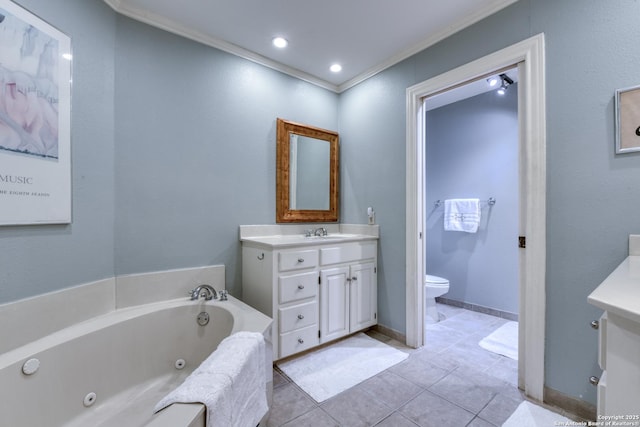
[506,82]
[336,68]
[493,81]
[280,42]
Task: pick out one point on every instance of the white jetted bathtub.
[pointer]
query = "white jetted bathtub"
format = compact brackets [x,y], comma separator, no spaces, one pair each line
[112,369]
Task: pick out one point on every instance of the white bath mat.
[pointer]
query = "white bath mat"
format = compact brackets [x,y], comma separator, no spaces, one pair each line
[529,415]
[503,340]
[333,369]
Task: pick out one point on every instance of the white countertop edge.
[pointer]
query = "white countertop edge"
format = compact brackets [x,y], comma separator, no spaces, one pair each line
[288,235]
[619,293]
[255,231]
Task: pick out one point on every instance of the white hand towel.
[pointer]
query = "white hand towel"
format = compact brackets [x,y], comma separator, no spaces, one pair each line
[462,215]
[231,382]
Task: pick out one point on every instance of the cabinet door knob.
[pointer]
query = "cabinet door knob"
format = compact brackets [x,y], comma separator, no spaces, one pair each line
[300,316]
[354,278]
[594,380]
[300,259]
[595,324]
[300,287]
[300,340]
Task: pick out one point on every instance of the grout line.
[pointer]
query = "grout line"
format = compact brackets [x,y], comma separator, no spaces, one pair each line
[399,414]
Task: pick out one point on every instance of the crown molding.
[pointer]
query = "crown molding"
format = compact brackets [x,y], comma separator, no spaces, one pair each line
[171,26]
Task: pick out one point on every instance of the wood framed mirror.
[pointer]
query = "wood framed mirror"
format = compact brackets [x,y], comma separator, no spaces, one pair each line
[306,173]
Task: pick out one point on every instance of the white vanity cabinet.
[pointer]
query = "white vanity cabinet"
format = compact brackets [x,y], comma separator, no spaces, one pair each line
[619,359]
[348,293]
[619,341]
[315,292]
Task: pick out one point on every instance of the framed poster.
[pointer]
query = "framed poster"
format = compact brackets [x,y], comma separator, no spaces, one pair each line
[35,119]
[627,106]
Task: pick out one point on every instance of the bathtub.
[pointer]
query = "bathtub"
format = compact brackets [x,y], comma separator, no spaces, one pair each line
[111,370]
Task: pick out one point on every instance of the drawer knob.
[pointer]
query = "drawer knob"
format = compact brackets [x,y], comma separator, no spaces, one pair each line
[594,380]
[300,316]
[300,340]
[595,324]
[300,287]
[300,259]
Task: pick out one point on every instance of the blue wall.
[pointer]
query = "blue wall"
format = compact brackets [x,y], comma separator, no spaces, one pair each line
[472,151]
[44,258]
[173,147]
[591,50]
[195,151]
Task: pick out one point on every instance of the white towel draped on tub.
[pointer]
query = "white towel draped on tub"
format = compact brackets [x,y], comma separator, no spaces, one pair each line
[462,215]
[230,383]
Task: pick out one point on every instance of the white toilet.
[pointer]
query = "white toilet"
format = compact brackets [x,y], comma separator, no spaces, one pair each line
[434,286]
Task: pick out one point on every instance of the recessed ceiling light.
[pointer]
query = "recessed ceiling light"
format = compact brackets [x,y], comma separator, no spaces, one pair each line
[336,68]
[280,42]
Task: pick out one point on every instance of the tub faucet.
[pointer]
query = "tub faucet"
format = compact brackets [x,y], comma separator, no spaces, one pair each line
[204,290]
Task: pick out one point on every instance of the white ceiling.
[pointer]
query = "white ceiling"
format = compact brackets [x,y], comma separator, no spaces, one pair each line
[365,36]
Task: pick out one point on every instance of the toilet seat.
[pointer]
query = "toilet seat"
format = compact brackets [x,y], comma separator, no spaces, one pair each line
[435,281]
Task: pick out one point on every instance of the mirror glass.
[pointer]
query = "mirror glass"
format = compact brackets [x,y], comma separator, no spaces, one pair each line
[309,162]
[307,173]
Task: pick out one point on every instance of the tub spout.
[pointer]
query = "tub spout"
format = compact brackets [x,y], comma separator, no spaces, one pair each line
[205,291]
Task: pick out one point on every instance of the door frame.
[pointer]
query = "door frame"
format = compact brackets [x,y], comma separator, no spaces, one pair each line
[529,56]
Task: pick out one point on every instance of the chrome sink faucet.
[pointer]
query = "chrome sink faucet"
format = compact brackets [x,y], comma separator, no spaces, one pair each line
[205,291]
[320,231]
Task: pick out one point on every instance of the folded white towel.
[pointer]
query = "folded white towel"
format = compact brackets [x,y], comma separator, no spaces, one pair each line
[231,383]
[212,390]
[249,376]
[462,215]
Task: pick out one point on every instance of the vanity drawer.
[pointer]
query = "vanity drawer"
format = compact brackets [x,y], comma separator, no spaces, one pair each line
[297,286]
[347,253]
[296,260]
[298,316]
[299,340]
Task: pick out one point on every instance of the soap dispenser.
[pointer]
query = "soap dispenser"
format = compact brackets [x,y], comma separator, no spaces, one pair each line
[372,215]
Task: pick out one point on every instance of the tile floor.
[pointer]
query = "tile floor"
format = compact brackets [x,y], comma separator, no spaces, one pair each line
[451,381]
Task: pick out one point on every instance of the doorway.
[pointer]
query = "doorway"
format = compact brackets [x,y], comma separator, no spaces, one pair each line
[528,56]
[471,258]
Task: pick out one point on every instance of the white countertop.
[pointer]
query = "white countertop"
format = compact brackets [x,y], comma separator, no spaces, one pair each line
[620,292]
[285,235]
[279,241]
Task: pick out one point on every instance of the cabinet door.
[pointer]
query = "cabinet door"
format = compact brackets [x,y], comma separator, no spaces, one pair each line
[364,296]
[334,303]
